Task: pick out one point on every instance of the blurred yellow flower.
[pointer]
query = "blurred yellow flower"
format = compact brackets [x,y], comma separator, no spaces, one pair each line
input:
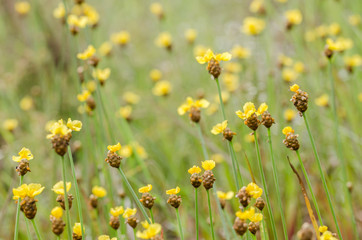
[131,97]
[284,61]
[121,38]
[190,35]
[164,39]
[106,237]
[249,110]
[327,235]
[155,75]
[194,169]
[116,211]
[248,138]
[253,26]
[294,17]
[210,55]
[88,53]
[322,229]
[254,190]
[57,212]
[289,114]
[77,21]
[294,88]
[114,148]
[23,154]
[257,217]
[257,6]
[150,232]
[247,214]
[213,108]
[231,81]
[99,191]
[10,124]
[200,50]
[225,196]
[232,67]
[83,96]
[58,188]
[219,128]
[157,9]
[105,49]
[126,151]
[59,11]
[289,75]
[334,29]
[77,229]
[299,67]
[125,111]
[22,7]
[162,88]
[74,125]
[353,61]
[287,130]
[129,212]
[322,101]
[173,191]
[240,52]
[26,103]
[208,164]
[101,74]
[190,103]
[31,190]
[140,150]
[145,189]
[354,20]
[340,45]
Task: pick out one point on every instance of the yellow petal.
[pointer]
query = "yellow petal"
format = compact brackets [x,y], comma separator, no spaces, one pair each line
[114,148]
[57,212]
[294,88]
[194,169]
[262,108]
[208,164]
[145,189]
[287,130]
[173,191]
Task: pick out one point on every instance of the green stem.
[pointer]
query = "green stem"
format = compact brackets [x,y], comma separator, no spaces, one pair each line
[130,189]
[203,145]
[179,224]
[16,235]
[322,176]
[77,195]
[340,152]
[196,215]
[151,213]
[36,229]
[210,214]
[233,158]
[310,188]
[27,228]
[265,186]
[276,182]
[69,229]
[220,98]
[134,233]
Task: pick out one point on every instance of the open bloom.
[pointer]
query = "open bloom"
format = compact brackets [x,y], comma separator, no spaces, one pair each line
[208,164]
[209,55]
[99,191]
[294,17]
[164,39]
[155,75]
[129,212]
[322,101]
[114,148]
[62,129]
[31,190]
[225,196]
[22,7]
[254,190]
[219,128]
[151,230]
[88,53]
[58,188]
[121,38]
[77,21]
[59,12]
[145,189]
[77,229]
[194,169]
[101,74]
[287,130]
[253,26]
[106,237]
[131,97]
[190,35]
[190,103]
[117,211]
[23,154]
[240,52]
[162,88]
[57,212]
[249,110]
[173,191]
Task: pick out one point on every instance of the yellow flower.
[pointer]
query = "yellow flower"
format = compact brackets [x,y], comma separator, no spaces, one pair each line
[190,35]
[58,188]
[117,211]
[299,67]
[125,111]
[353,61]
[106,237]
[194,169]
[212,109]
[254,190]
[91,86]
[23,154]
[74,125]
[289,75]
[224,95]
[284,60]
[140,150]
[327,235]
[190,103]
[10,124]
[340,45]
[31,190]
[77,229]
[121,38]
[156,9]
[129,212]
[83,96]
[240,52]
[248,138]
[322,101]
[289,114]
[321,31]
[105,49]
[173,191]
[88,53]
[219,128]
[145,189]
[58,128]
[131,98]
[287,130]
[77,21]
[354,20]
[57,212]
[226,196]
[322,229]
[232,67]
[293,17]
[256,6]
[101,74]
[164,39]
[200,50]
[231,81]
[22,7]
[26,103]
[150,232]
[59,12]
[155,75]
[99,191]
[218,158]
[91,13]
[334,29]
[225,56]
[247,214]
[253,26]
[249,110]
[162,88]
[208,164]
[257,217]
[114,148]
[294,88]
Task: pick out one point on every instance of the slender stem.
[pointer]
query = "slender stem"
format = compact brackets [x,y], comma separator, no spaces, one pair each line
[196,215]
[203,145]
[134,195]
[220,98]
[233,158]
[151,213]
[340,152]
[276,182]
[310,188]
[77,195]
[27,228]
[36,229]
[134,233]
[16,235]
[322,176]
[265,186]
[210,214]
[179,224]
[69,230]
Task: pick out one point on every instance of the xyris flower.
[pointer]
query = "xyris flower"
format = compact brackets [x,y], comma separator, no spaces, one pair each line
[208,176]
[101,74]
[193,108]
[129,214]
[223,196]
[10,124]
[59,12]
[294,17]
[58,188]
[106,237]
[147,199]
[105,49]
[157,9]
[162,88]
[291,139]
[22,7]
[352,61]
[151,231]
[121,38]
[77,231]
[57,222]
[254,190]
[340,45]
[26,193]
[289,114]
[299,99]
[195,178]
[24,153]
[76,22]
[97,192]
[326,235]
[190,35]
[213,61]
[253,26]
[115,212]
[89,54]
[164,40]
[322,101]
[155,75]
[240,52]
[174,200]
[250,114]
[222,128]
